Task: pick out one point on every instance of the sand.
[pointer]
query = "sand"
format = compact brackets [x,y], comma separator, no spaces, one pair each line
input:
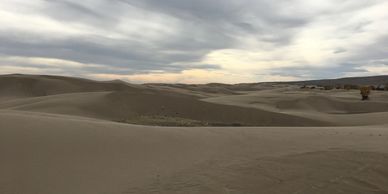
[44,153]
[338,107]
[139,105]
[68,141]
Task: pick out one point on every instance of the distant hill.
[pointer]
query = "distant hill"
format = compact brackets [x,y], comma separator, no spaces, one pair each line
[233,88]
[373,80]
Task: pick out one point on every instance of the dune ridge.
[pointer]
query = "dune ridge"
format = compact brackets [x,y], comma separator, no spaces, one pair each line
[67,135]
[269,104]
[118,101]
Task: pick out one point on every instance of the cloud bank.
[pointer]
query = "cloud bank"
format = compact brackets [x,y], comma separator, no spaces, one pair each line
[195,41]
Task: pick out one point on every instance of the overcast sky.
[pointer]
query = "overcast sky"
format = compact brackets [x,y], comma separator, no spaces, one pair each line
[195,41]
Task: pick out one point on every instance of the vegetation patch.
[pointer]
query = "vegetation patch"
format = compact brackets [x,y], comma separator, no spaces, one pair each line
[173,121]
[164,121]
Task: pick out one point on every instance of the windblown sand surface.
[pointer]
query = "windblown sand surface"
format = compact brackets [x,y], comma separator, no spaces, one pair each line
[117,101]
[338,107]
[59,136]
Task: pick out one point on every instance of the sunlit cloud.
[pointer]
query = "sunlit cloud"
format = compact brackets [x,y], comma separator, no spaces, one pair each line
[7,69]
[51,62]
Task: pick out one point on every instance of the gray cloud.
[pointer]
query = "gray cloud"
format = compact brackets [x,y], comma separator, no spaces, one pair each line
[230,17]
[309,72]
[339,50]
[137,36]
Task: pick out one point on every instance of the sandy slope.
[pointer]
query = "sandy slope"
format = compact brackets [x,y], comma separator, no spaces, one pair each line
[123,106]
[45,154]
[339,107]
[19,86]
[119,102]
[189,105]
[57,137]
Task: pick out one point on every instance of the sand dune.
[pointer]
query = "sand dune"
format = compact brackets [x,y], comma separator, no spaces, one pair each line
[145,106]
[132,107]
[339,107]
[191,105]
[67,135]
[44,153]
[18,85]
[158,104]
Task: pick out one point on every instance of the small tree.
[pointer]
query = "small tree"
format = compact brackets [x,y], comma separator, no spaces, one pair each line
[365,91]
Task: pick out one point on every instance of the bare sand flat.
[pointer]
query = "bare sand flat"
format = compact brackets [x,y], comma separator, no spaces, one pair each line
[65,135]
[43,153]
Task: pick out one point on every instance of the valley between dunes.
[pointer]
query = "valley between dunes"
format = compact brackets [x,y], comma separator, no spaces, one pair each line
[61,135]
